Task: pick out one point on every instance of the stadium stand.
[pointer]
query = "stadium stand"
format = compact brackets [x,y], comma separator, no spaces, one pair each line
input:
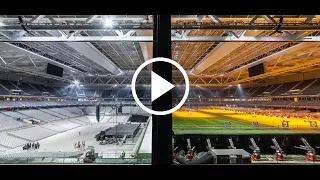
[54,127]
[77,121]
[75,110]
[66,124]
[314,89]
[42,154]
[11,104]
[38,115]
[29,90]
[63,112]
[83,119]
[34,103]
[48,111]
[7,122]
[15,114]
[30,135]
[10,141]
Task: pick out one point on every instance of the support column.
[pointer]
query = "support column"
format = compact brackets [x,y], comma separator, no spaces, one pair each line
[162,125]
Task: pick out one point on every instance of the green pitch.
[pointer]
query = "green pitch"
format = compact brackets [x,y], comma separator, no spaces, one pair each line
[215,125]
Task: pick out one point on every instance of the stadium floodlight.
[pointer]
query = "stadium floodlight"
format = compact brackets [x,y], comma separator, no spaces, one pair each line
[81,85]
[76,82]
[115,85]
[128,85]
[108,22]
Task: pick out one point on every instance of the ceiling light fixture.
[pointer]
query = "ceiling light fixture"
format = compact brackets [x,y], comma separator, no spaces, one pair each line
[108,22]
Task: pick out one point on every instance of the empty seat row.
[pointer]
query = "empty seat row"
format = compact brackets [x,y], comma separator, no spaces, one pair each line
[63,112]
[11,141]
[7,122]
[33,133]
[39,115]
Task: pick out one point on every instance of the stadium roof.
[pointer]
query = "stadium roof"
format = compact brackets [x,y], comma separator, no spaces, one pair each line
[215,50]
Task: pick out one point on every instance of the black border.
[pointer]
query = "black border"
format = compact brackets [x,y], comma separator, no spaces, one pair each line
[162,125]
[158,7]
[145,7]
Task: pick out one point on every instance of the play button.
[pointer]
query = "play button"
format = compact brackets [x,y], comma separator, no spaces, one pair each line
[159,86]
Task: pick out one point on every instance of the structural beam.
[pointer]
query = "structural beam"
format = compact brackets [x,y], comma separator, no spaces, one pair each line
[36,19]
[215,19]
[272,56]
[91,18]
[149,39]
[269,19]
[89,51]
[227,26]
[279,72]
[35,55]
[146,47]
[221,50]
[34,73]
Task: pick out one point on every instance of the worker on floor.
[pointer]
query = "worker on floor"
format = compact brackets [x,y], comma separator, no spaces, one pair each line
[123,154]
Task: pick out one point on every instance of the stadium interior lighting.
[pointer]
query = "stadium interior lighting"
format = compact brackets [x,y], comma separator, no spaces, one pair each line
[81,85]
[115,85]
[76,82]
[239,85]
[108,22]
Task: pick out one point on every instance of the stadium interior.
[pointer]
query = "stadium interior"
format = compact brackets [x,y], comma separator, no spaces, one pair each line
[65,84]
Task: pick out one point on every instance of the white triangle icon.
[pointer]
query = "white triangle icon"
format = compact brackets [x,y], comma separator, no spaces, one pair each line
[159,86]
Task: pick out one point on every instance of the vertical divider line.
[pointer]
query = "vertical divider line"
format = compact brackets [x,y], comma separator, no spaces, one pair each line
[162,125]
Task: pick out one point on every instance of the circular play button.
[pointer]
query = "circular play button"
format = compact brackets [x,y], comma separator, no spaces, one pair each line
[159,86]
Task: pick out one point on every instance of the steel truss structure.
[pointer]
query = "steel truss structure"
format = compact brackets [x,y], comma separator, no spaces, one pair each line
[123,46]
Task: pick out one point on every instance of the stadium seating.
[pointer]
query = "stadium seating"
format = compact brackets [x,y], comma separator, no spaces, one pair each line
[15,114]
[54,127]
[74,110]
[38,115]
[34,103]
[42,154]
[48,111]
[83,119]
[33,133]
[63,112]
[11,141]
[7,122]
[3,91]
[29,90]
[66,124]
[11,104]
[314,89]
